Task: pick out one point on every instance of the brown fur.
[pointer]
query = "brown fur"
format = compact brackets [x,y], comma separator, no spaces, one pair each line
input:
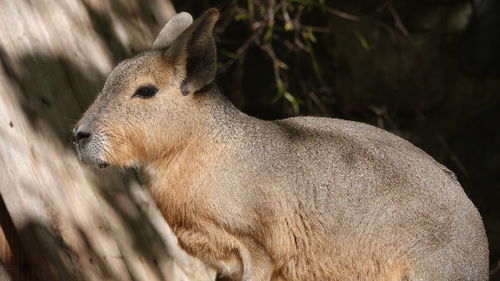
[296,199]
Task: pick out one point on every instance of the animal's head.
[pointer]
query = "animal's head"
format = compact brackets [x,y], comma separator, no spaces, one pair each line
[149,101]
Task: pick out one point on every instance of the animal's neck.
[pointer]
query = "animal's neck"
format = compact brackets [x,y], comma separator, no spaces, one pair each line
[213,121]
[173,177]
[189,163]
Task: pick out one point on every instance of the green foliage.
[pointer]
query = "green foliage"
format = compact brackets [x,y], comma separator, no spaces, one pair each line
[277,29]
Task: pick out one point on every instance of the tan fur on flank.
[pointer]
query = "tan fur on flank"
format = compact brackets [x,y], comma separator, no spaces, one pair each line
[291,200]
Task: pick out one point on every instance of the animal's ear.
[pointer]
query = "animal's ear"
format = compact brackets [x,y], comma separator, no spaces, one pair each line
[193,53]
[174,27]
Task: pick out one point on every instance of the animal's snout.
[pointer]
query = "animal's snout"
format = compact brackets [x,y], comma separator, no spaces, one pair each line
[88,145]
[82,135]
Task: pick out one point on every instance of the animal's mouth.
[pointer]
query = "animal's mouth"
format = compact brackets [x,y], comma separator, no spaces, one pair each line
[102,165]
[89,158]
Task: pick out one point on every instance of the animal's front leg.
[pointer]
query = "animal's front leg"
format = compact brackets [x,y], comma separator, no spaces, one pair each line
[214,247]
[257,265]
[234,257]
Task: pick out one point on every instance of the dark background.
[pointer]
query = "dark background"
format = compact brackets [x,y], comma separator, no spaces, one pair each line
[425,70]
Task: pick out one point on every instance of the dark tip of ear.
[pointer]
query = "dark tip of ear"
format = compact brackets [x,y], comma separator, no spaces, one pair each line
[210,16]
[213,13]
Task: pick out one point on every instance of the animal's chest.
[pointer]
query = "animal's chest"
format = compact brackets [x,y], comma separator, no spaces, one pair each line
[199,234]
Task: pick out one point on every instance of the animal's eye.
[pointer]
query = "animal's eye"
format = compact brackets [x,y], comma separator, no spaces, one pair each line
[145,92]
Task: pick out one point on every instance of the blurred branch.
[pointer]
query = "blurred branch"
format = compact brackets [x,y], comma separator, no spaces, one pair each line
[241,51]
[494,271]
[342,14]
[397,21]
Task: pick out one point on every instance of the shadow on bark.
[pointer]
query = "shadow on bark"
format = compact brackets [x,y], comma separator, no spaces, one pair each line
[54,91]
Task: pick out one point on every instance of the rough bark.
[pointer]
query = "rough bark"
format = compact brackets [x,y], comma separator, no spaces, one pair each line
[73,222]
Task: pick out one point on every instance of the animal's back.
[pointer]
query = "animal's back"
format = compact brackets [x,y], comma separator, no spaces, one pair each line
[362,200]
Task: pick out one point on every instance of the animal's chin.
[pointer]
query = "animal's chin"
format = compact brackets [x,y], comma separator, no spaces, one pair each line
[95,162]
[89,158]
[102,165]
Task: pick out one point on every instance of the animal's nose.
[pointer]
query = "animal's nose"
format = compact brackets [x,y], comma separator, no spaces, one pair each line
[82,135]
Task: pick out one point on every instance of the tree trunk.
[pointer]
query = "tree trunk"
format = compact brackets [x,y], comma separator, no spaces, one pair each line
[64,221]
